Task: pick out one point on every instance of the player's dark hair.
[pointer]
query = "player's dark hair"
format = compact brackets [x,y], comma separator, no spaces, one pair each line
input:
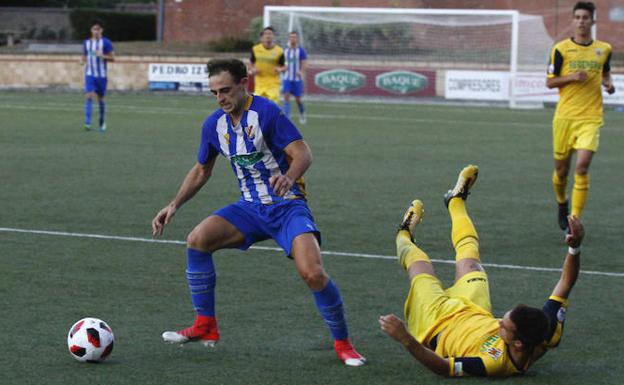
[295,32]
[586,5]
[269,28]
[532,325]
[97,22]
[235,67]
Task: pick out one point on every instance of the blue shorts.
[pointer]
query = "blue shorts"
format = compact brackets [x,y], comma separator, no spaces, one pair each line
[282,221]
[97,85]
[293,87]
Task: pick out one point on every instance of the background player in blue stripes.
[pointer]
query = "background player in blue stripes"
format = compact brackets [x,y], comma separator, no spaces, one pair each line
[97,51]
[269,157]
[293,78]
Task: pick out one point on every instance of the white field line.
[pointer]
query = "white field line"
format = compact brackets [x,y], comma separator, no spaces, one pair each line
[187,111]
[326,252]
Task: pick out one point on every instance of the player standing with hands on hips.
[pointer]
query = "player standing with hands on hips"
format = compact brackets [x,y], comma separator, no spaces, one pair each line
[97,51]
[269,157]
[579,66]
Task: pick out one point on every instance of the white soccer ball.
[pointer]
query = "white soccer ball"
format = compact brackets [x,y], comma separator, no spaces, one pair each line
[90,340]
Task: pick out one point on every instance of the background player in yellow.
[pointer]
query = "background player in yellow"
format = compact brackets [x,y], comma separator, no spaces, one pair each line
[266,63]
[578,66]
[453,332]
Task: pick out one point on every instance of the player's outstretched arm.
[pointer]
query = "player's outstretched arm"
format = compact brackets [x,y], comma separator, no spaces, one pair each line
[301,158]
[607,82]
[572,263]
[197,176]
[396,329]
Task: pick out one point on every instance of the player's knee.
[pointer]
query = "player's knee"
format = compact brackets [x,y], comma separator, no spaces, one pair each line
[562,170]
[315,278]
[198,240]
[582,169]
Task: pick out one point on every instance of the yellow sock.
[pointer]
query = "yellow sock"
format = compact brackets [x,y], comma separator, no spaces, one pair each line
[559,185]
[463,233]
[407,251]
[579,194]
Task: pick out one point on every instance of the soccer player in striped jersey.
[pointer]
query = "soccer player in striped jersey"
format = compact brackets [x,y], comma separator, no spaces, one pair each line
[578,67]
[269,157]
[293,77]
[266,63]
[452,332]
[97,51]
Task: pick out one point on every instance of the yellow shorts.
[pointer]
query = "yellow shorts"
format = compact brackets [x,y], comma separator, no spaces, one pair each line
[428,304]
[271,92]
[571,135]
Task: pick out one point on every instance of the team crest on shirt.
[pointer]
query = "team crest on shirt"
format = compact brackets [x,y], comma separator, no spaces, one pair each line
[250,132]
[561,314]
[495,353]
[489,348]
[598,52]
[226,136]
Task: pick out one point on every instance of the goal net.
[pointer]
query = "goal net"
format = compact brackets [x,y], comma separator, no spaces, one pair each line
[437,40]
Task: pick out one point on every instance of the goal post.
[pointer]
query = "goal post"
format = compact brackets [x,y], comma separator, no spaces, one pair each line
[431,39]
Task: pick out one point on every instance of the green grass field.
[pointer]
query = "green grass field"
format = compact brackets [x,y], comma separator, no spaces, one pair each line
[371,160]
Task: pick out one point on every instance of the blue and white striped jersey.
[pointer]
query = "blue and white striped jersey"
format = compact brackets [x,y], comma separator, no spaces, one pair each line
[293,57]
[96,66]
[255,148]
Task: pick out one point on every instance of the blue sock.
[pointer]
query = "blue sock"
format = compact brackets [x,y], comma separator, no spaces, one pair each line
[102,112]
[329,304]
[301,108]
[287,109]
[87,111]
[202,278]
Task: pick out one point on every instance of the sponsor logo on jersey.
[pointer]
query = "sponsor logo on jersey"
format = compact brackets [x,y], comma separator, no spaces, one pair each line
[246,160]
[401,82]
[339,80]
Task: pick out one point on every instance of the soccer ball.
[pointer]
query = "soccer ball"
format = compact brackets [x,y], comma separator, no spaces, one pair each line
[90,340]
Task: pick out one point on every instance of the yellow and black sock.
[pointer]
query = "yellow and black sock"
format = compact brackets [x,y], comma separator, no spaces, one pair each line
[559,185]
[579,194]
[463,233]
[407,251]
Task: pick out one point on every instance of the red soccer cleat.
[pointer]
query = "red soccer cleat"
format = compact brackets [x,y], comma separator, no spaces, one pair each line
[347,354]
[204,330]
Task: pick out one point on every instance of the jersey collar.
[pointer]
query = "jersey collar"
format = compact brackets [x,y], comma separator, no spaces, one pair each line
[583,45]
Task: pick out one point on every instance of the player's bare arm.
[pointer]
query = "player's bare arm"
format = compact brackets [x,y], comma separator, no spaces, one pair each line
[107,56]
[572,263]
[607,82]
[301,158]
[396,329]
[302,70]
[560,81]
[197,176]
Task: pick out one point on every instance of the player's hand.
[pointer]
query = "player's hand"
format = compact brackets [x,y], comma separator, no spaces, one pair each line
[395,328]
[99,53]
[161,219]
[281,184]
[579,76]
[610,88]
[577,232]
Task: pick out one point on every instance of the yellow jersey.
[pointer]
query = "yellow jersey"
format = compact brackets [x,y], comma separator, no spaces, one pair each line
[580,100]
[471,341]
[266,60]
